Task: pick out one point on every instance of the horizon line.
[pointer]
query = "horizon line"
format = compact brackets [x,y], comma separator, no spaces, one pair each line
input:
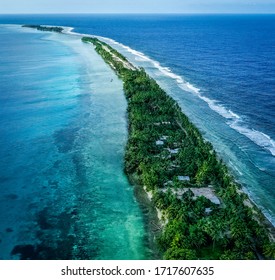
[145,13]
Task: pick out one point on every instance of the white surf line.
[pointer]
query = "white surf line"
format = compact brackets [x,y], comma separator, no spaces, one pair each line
[234,120]
[228,114]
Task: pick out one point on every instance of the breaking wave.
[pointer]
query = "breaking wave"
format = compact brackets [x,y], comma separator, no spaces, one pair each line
[233,120]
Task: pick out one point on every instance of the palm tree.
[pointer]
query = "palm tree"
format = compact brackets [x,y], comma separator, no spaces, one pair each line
[213,229]
[197,237]
[269,250]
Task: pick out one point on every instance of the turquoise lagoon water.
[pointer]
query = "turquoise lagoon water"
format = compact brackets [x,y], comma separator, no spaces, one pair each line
[220,68]
[63,131]
[247,152]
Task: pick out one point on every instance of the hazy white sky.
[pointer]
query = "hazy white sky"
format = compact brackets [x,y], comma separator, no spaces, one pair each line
[138,6]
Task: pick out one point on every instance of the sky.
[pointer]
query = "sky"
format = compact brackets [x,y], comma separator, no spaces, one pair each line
[136,6]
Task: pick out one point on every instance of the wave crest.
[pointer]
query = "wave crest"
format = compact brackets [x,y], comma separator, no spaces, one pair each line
[234,120]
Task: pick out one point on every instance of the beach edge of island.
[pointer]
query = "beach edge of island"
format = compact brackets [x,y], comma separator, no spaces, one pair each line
[139,177]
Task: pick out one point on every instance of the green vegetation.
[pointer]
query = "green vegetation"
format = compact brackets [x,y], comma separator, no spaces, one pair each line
[44,28]
[167,154]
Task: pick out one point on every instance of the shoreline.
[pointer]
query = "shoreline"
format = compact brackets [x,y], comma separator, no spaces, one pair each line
[68,31]
[114,59]
[102,217]
[232,170]
[119,65]
[152,222]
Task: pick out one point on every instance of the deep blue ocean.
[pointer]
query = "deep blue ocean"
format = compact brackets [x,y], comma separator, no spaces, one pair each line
[63,125]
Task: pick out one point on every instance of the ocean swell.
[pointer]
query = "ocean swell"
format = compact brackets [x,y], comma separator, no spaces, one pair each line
[235,121]
[258,137]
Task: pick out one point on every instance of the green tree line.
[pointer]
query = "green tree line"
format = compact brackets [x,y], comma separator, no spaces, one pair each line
[164,145]
[44,28]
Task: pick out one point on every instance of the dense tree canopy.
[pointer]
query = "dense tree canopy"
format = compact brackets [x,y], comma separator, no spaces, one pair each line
[45,28]
[164,146]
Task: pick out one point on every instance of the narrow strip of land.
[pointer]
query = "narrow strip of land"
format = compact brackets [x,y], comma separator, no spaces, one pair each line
[45,28]
[205,214]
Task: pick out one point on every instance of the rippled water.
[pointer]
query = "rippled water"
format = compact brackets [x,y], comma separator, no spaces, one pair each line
[63,130]
[219,68]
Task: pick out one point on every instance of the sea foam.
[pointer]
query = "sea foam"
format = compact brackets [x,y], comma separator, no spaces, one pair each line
[261,139]
[235,121]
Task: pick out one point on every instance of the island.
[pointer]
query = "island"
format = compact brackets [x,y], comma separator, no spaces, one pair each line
[204,213]
[45,28]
